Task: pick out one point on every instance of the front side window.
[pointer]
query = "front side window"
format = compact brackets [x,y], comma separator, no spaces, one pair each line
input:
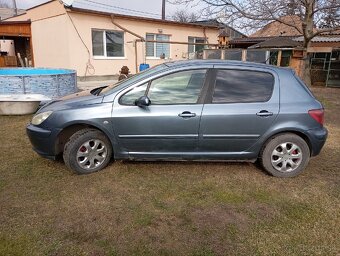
[240,86]
[130,97]
[177,88]
[107,43]
[157,49]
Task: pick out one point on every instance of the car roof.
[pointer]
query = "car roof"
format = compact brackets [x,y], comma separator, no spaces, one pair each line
[219,62]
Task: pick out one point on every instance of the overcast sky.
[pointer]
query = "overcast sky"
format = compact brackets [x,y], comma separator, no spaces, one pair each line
[150,7]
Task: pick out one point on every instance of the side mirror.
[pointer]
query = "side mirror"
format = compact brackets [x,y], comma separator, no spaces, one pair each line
[143,101]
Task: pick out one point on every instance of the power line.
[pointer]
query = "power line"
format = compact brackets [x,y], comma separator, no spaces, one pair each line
[99,7]
[120,8]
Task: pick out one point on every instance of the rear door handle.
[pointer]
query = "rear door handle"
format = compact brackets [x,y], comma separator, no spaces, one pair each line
[187,114]
[264,113]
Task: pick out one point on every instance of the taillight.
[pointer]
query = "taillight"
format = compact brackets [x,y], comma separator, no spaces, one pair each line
[317,115]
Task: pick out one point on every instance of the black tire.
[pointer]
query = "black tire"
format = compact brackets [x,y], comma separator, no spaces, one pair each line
[290,161]
[97,146]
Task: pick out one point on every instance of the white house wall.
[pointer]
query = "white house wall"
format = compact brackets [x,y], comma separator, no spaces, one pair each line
[57,44]
[85,23]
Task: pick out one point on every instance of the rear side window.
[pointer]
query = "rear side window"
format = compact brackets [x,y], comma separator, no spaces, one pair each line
[240,86]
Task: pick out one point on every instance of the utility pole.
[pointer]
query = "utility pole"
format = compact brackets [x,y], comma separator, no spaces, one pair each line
[163,9]
[15,7]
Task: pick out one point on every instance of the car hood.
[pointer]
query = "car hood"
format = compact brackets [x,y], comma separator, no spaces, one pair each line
[72,101]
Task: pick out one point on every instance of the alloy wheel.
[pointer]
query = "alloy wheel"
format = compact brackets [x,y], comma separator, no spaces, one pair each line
[91,154]
[286,157]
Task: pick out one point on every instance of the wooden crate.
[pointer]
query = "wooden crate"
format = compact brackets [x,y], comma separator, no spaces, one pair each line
[8,61]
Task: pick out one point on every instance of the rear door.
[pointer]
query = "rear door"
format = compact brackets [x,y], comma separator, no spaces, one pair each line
[240,107]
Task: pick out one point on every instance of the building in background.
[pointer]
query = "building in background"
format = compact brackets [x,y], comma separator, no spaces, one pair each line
[96,42]
[281,45]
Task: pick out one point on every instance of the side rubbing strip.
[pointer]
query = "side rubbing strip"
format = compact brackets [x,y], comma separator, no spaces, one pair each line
[159,136]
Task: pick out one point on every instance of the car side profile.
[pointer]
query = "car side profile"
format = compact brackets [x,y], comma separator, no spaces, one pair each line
[187,110]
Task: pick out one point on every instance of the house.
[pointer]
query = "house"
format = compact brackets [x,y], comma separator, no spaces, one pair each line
[96,42]
[224,28]
[275,28]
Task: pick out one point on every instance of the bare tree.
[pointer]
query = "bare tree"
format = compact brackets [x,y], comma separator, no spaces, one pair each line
[184,16]
[330,18]
[316,16]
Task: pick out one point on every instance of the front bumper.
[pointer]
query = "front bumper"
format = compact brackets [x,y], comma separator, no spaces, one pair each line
[43,141]
[317,138]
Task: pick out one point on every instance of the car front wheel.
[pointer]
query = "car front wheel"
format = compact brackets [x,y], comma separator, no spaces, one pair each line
[87,151]
[285,155]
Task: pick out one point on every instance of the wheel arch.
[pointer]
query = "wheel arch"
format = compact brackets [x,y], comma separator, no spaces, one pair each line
[293,131]
[67,131]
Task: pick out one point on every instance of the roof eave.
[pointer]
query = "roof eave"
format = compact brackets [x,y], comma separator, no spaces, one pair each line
[10,22]
[81,10]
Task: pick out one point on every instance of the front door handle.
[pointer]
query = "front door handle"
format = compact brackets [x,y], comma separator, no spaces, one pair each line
[187,114]
[264,113]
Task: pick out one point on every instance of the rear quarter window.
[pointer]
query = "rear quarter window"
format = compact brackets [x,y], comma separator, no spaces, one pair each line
[241,86]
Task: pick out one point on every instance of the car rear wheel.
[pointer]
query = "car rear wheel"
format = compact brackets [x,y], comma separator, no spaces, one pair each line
[87,151]
[285,155]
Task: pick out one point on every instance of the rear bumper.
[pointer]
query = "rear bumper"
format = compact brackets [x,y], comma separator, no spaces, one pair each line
[42,140]
[317,138]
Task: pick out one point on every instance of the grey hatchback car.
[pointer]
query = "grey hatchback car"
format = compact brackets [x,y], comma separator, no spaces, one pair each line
[187,110]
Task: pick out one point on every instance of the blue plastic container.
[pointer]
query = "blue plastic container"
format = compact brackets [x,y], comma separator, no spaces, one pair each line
[143,66]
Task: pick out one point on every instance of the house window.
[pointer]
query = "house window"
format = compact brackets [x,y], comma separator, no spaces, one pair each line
[285,57]
[195,47]
[156,49]
[107,44]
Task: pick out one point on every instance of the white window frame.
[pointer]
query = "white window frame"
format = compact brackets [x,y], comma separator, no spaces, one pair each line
[195,38]
[105,57]
[154,57]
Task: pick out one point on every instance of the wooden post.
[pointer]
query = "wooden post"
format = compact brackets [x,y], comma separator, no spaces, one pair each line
[279,55]
[244,54]
[136,57]
[204,54]
[31,50]
[222,54]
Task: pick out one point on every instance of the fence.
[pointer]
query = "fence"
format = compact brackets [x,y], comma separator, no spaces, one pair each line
[281,57]
[325,67]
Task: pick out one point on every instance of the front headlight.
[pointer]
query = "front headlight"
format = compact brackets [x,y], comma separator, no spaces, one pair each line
[39,118]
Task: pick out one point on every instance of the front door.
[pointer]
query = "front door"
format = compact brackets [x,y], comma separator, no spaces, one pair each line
[241,107]
[169,126]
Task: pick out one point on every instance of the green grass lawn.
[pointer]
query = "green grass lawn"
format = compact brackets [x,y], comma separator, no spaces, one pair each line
[155,208]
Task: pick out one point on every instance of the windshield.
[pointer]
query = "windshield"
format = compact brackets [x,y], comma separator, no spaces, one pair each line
[134,78]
